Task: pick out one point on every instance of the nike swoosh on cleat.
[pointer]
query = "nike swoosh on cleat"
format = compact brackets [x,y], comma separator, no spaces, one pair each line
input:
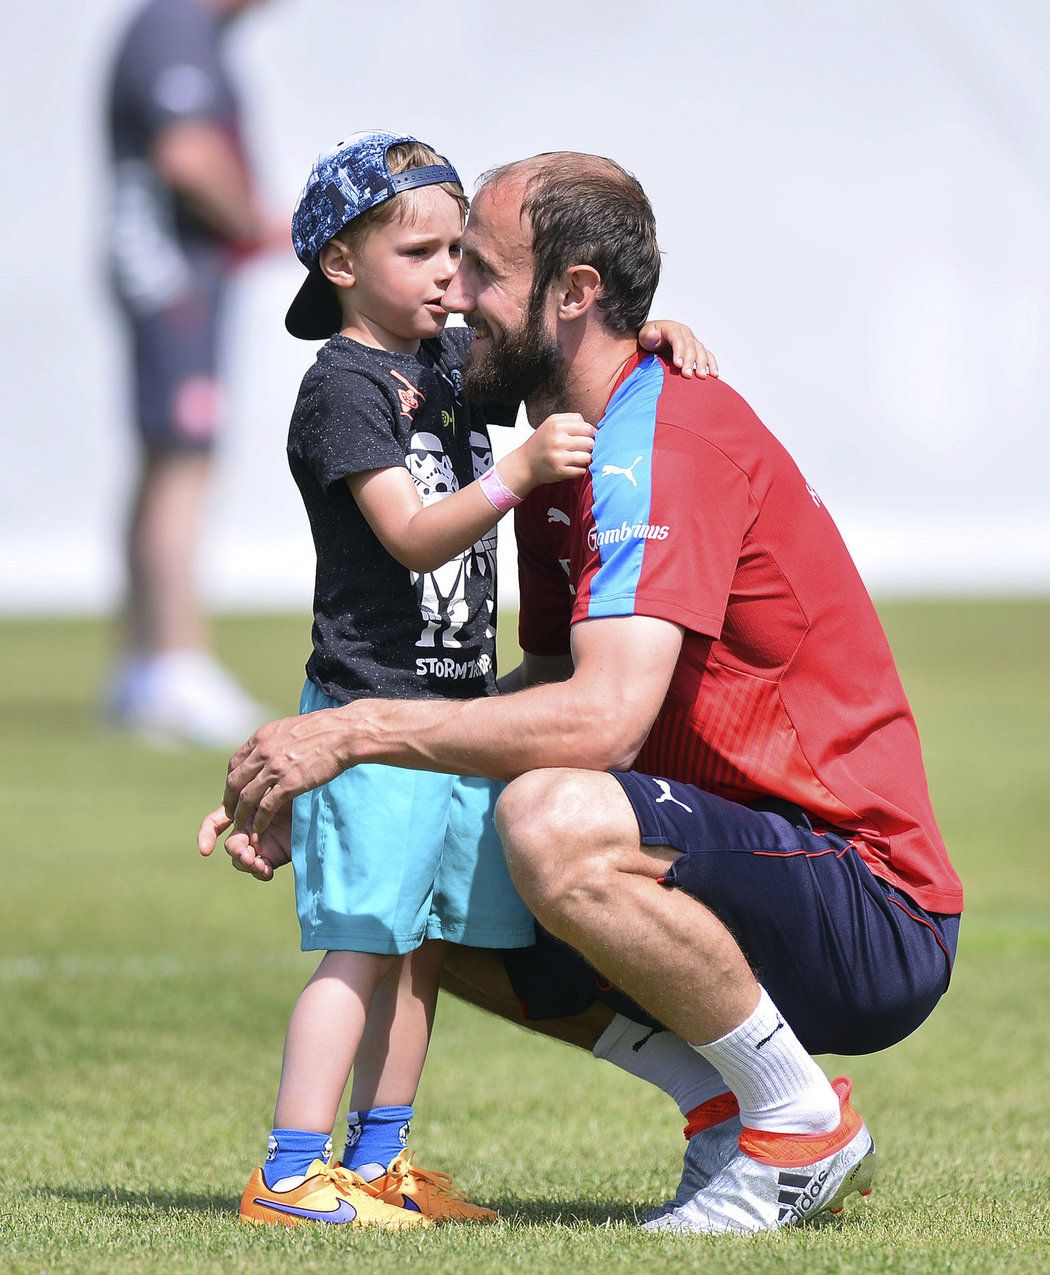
[343,1214]
[409,1204]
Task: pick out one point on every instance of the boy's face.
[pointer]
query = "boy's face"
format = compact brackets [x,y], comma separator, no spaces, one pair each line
[400,272]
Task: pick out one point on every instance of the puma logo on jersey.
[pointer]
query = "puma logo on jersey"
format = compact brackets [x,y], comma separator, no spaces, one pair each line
[627,473]
[556,515]
[665,790]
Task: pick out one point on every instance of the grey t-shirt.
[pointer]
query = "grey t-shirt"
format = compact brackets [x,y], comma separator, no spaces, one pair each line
[380,629]
[168,69]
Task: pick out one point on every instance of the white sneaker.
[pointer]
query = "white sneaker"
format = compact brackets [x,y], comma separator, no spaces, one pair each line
[781,1179]
[182,697]
[708,1150]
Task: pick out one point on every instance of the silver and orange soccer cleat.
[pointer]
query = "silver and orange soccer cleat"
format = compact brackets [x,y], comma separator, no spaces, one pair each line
[781,1179]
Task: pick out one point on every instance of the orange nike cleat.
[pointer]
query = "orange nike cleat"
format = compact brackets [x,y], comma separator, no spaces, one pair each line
[433,1194]
[330,1194]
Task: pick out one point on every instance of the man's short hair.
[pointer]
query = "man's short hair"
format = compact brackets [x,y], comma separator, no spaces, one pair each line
[587,210]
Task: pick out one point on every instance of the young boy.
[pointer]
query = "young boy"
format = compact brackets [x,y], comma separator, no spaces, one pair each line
[396,474]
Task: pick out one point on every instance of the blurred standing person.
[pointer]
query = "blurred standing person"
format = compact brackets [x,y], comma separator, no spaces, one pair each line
[185,213]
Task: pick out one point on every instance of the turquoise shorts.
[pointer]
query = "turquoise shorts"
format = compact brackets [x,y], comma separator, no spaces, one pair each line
[385,858]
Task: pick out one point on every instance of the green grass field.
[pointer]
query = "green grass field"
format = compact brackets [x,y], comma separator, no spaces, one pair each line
[145,994]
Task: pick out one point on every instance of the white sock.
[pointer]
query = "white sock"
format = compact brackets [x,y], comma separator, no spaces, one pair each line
[778,1085]
[662,1058]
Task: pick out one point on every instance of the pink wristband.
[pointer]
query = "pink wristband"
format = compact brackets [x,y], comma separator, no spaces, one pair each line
[497,493]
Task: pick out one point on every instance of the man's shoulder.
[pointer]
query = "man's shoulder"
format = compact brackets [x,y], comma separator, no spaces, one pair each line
[700,402]
[715,415]
[655,398]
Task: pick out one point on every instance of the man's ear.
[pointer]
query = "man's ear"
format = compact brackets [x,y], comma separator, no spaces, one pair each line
[336,264]
[578,290]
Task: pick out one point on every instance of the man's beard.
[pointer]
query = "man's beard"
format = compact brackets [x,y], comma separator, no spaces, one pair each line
[517,366]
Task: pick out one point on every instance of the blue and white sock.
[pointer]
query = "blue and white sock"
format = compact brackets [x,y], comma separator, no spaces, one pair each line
[374,1138]
[290,1153]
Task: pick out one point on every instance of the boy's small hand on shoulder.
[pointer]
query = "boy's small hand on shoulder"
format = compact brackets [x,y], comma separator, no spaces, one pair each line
[686,350]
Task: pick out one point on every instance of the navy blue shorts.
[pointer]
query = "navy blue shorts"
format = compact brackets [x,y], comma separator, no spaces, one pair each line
[852,963]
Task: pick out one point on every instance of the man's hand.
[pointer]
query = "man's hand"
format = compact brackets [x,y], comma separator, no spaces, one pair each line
[258,855]
[280,761]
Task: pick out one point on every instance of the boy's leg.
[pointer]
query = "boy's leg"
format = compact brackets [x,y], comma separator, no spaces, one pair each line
[324,1032]
[386,1076]
[394,1048]
[364,848]
[390,1060]
[298,1184]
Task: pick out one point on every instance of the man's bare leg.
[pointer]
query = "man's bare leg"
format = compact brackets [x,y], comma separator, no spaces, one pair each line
[575,853]
[573,847]
[478,976]
[164,612]
[661,1059]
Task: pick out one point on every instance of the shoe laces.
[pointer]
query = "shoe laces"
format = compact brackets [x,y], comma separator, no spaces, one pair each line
[346,1181]
[403,1168]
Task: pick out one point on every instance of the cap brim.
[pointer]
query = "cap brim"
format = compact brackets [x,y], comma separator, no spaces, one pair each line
[314,315]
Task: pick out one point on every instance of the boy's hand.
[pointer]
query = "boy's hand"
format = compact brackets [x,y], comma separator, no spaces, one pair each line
[559,448]
[660,336]
[258,855]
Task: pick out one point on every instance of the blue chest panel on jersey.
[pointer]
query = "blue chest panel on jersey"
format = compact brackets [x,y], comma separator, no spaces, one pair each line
[621,482]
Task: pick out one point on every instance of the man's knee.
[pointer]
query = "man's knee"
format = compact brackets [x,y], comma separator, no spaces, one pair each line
[564,831]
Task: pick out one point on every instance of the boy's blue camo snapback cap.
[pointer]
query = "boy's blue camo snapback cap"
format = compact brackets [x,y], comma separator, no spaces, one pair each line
[343,184]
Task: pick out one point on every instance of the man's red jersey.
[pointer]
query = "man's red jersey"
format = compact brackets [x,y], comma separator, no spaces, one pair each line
[692,512]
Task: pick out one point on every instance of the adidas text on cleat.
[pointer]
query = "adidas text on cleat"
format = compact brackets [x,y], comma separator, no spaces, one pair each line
[329,1195]
[428,1193]
[782,1179]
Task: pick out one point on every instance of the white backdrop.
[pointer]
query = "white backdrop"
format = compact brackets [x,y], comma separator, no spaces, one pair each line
[853,201]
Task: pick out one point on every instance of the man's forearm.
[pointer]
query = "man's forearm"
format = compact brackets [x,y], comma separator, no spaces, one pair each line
[597,719]
[499,738]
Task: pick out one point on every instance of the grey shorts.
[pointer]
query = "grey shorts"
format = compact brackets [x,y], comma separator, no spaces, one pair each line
[176,393]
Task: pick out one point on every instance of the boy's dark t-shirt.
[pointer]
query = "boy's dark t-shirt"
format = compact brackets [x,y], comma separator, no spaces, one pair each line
[380,629]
